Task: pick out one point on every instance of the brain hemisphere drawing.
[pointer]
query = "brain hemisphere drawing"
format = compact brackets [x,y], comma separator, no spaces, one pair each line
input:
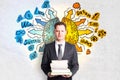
[83,28]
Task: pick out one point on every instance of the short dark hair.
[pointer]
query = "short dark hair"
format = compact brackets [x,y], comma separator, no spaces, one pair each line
[59,23]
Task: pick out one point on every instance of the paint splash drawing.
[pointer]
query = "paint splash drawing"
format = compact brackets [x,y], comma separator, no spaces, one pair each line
[37,29]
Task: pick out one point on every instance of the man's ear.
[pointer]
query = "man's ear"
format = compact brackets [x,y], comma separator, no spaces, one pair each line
[66,32]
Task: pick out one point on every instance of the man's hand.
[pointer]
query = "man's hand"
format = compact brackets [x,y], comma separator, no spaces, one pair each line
[66,76]
[49,74]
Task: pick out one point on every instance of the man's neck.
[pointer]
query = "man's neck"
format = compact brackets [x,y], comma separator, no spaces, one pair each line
[60,41]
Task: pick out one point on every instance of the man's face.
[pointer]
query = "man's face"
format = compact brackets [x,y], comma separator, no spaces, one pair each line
[60,32]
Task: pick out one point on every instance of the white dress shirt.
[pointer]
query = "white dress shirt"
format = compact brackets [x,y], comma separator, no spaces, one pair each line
[62,47]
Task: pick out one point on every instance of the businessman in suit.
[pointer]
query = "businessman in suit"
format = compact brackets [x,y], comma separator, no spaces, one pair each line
[51,52]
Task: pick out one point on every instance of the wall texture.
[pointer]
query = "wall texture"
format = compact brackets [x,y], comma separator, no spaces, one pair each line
[102,64]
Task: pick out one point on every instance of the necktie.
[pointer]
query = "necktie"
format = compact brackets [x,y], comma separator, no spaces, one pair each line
[59,52]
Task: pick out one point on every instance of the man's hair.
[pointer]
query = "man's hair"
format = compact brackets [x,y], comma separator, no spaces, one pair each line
[59,23]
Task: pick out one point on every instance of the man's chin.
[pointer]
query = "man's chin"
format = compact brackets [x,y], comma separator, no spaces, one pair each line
[60,39]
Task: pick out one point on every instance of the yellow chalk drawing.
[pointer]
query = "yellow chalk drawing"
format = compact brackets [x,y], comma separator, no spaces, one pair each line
[86,42]
[83,13]
[94,38]
[70,12]
[82,28]
[93,24]
[96,29]
[96,16]
[101,33]
[72,32]
[84,32]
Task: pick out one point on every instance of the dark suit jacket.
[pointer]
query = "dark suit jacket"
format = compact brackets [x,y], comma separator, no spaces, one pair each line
[49,54]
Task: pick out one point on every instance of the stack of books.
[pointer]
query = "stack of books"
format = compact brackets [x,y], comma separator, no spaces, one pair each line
[60,67]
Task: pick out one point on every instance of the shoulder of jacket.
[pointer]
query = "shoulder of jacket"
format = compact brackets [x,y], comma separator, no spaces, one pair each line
[49,44]
[70,44]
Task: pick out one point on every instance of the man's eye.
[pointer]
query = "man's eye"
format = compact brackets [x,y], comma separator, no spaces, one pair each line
[57,31]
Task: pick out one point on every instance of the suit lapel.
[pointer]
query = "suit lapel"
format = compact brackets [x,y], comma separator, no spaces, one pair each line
[54,51]
[65,51]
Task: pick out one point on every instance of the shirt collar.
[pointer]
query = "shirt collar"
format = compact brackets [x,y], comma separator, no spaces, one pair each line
[57,42]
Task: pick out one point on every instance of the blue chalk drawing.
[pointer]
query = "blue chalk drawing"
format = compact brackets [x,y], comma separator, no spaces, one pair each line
[41,48]
[35,32]
[19,39]
[38,12]
[31,47]
[46,4]
[49,30]
[31,41]
[19,18]
[20,32]
[25,24]
[40,22]
[36,29]
[33,55]
[51,13]
[28,15]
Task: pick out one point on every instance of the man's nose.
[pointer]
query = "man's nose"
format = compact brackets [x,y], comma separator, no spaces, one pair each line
[60,32]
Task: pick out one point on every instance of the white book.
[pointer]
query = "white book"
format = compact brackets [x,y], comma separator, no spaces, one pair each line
[60,61]
[60,64]
[60,70]
[60,67]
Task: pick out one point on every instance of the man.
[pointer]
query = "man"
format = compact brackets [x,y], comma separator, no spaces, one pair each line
[51,53]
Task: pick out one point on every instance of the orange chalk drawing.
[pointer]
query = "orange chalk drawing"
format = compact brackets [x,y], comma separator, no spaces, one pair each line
[79,49]
[88,52]
[80,22]
[76,5]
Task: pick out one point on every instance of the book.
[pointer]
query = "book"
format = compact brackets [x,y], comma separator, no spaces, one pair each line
[60,67]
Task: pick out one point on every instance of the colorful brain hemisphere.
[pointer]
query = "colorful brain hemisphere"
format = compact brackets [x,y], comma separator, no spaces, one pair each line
[37,29]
